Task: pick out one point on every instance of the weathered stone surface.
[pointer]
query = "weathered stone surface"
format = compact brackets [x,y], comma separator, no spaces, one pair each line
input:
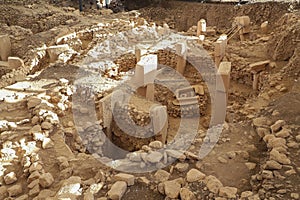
[262,132]
[161,175]
[117,190]
[33,102]
[194,175]
[182,167]
[156,144]
[279,157]
[10,178]
[272,164]
[46,180]
[267,174]
[14,190]
[186,194]
[276,142]
[213,184]
[246,194]
[128,178]
[277,126]
[228,192]
[261,122]
[250,165]
[172,189]
[3,192]
[154,157]
[283,133]
[46,125]
[5,47]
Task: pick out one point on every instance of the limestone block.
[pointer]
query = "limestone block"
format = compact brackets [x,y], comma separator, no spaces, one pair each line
[5,47]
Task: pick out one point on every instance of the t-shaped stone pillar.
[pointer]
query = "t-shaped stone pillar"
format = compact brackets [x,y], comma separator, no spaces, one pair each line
[201,27]
[255,69]
[145,72]
[220,49]
[5,47]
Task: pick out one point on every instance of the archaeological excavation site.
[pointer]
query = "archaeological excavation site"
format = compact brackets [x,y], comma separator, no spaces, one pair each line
[149,100]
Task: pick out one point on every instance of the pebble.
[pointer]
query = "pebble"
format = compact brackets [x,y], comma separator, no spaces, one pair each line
[186,194]
[194,175]
[128,178]
[228,192]
[182,167]
[154,157]
[295,195]
[277,126]
[172,189]
[46,180]
[213,184]
[279,157]
[156,144]
[117,190]
[161,175]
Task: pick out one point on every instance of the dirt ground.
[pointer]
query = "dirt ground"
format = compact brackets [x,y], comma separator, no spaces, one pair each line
[54,139]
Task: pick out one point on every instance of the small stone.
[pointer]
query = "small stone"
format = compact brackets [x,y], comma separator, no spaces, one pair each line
[46,180]
[194,175]
[231,154]
[283,133]
[33,102]
[261,122]
[34,191]
[246,194]
[222,160]
[128,178]
[34,175]
[213,184]
[279,157]
[161,175]
[23,197]
[228,192]
[295,195]
[46,126]
[290,172]
[173,153]
[266,174]
[156,145]
[14,190]
[154,157]
[3,191]
[117,190]
[272,164]
[262,132]
[186,194]
[298,138]
[134,157]
[143,180]
[35,120]
[277,126]
[182,167]
[172,189]
[10,178]
[250,165]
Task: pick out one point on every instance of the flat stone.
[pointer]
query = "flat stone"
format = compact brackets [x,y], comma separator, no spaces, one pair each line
[246,194]
[298,138]
[228,192]
[276,142]
[194,175]
[161,175]
[23,197]
[128,178]
[267,174]
[172,189]
[117,190]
